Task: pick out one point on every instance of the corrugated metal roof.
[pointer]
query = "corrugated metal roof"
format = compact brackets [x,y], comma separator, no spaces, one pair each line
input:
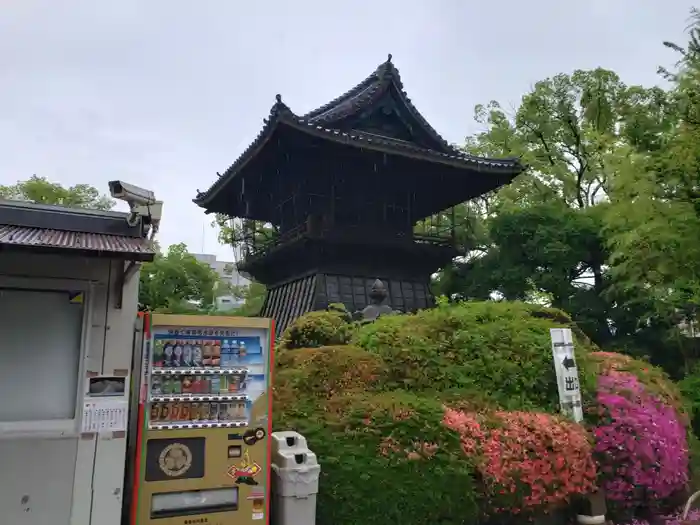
[86,242]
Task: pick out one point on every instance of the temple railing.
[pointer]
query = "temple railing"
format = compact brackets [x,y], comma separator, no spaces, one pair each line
[359,234]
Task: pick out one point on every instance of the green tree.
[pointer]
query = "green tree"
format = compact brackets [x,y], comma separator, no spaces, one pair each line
[176,282]
[544,232]
[253,297]
[42,191]
[654,221]
[605,223]
[546,236]
[244,235]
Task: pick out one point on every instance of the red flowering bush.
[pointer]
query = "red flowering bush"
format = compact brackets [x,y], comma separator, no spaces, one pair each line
[641,445]
[528,461]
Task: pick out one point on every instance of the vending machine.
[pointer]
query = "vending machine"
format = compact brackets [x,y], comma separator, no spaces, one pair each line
[205,421]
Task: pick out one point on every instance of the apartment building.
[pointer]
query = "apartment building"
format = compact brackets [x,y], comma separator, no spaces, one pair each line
[228,273]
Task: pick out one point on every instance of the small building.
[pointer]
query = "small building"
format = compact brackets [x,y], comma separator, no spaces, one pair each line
[359,189]
[228,275]
[68,305]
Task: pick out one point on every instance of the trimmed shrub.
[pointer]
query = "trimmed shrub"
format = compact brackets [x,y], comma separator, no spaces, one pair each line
[641,447]
[393,456]
[326,372]
[654,379]
[317,329]
[690,387]
[386,458]
[495,349]
[529,462]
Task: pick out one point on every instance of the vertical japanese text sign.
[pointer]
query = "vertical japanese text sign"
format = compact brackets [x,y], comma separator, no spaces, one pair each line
[567,373]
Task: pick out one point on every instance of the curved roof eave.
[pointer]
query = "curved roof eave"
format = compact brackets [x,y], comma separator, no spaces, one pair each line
[355,100]
[368,91]
[269,126]
[281,114]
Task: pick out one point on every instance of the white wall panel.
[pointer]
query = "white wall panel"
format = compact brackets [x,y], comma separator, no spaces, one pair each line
[39,469]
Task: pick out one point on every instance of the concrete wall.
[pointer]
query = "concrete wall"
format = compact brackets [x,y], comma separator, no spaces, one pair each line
[68,479]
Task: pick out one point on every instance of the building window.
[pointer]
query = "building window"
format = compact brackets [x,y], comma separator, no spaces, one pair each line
[41,334]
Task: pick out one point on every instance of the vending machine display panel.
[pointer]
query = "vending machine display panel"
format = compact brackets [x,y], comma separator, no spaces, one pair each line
[206,421]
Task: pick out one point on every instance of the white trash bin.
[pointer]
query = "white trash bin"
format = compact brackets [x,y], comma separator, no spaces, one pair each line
[295,473]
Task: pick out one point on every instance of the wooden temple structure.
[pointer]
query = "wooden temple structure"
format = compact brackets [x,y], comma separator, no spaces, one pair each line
[357,190]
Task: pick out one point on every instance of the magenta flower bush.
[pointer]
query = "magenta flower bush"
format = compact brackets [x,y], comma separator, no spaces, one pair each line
[671,519]
[640,446]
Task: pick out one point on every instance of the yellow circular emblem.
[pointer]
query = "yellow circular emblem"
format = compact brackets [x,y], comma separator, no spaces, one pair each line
[175,460]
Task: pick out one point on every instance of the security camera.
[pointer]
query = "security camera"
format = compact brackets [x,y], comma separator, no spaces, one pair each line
[133,195]
[145,209]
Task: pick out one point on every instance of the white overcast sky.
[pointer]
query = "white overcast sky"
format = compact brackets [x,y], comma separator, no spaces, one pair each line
[165,93]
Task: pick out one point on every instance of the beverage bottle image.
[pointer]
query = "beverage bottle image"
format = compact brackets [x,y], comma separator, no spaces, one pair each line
[206,354]
[214,382]
[177,355]
[197,356]
[225,355]
[197,351]
[168,355]
[156,386]
[158,353]
[234,383]
[235,352]
[187,354]
[242,351]
[216,355]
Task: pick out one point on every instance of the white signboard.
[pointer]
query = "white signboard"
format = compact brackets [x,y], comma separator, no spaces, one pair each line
[567,373]
[104,415]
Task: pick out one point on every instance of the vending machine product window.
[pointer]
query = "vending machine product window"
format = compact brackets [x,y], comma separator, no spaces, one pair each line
[205,403]
[40,356]
[204,377]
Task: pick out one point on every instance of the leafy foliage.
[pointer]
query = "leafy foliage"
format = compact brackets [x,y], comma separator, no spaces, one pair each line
[316,329]
[387,458]
[353,405]
[690,387]
[328,371]
[253,297]
[176,282]
[244,234]
[641,446]
[397,399]
[502,449]
[544,233]
[474,347]
[604,223]
[41,191]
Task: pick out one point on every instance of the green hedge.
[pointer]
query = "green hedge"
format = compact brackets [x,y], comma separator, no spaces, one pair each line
[317,329]
[375,468]
[496,350]
[372,410]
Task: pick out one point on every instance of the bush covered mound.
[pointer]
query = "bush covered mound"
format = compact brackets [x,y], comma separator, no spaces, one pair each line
[451,415]
[502,445]
[641,446]
[497,350]
[317,329]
